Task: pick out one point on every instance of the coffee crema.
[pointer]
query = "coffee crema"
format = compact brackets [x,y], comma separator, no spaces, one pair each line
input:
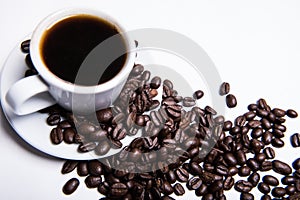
[67,43]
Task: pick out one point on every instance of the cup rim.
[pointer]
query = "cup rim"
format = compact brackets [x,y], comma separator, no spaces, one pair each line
[52,79]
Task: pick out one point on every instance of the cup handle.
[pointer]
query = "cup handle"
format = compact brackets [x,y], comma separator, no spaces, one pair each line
[29,95]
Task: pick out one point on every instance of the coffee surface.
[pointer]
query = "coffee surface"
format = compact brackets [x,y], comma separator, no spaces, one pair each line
[67,43]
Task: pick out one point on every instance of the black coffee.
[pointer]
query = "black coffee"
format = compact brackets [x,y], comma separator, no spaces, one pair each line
[66,44]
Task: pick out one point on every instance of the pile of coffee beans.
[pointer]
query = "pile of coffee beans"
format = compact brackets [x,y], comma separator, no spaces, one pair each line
[182,147]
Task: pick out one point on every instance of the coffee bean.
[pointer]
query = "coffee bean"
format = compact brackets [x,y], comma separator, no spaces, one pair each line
[254,179]
[182,175]
[265,124]
[53,119]
[290,190]
[264,188]
[224,88]
[244,171]
[253,164]
[82,168]
[247,196]
[155,82]
[232,171]
[198,94]
[194,183]
[278,112]
[231,101]
[119,132]
[243,186]
[102,148]
[281,167]
[25,46]
[270,180]
[70,186]
[295,140]
[260,157]
[174,111]
[266,197]
[104,115]
[95,168]
[168,83]
[29,64]
[267,137]
[288,180]
[266,166]
[92,181]
[178,189]
[118,189]
[188,102]
[278,192]
[56,135]
[228,183]
[208,196]
[230,159]
[221,170]
[216,186]
[254,123]
[69,166]
[277,142]
[69,135]
[86,147]
[291,113]
[269,152]
[296,164]
[167,198]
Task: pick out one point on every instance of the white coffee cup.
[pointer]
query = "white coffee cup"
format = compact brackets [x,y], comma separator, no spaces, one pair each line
[36,92]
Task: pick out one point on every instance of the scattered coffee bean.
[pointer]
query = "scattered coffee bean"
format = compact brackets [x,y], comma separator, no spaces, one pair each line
[178,189]
[53,119]
[70,186]
[278,192]
[198,94]
[92,181]
[243,186]
[25,46]
[247,196]
[224,88]
[281,167]
[295,140]
[56,135]
[231,101]
[291,113]
[264,188]
[254,179]
[296,164]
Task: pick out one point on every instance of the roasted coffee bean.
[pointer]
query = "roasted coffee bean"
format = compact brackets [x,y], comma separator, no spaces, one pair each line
[216,186]
[208,196]
[227,125]
[288,180]
[194,183]
[278,192]
[135,154]
[290,190]
[264,188]
[281,167]
[182,175]
[296,164]
[291,113]
[168,83]
[92,181]
[56,135]
[95,168]
[86,147]
[260,157]
[278,112]
[198,94]
[98,135]
[231,101]
[69,166]
[86,128]
[53,119]
[228,183]
[210,110]
[244,171]
[178,189]
[240,120]
[195,168]
[102,148]
[247,196]
[155,82]
[188,102]
[230,159]
[277,142]
[167,198]
[243,186]
[232,171]
[265,124]
[25,46]
[254,179]
[146,75]
[253,164]
[295,140]
[104,115]
[201,190]
[69,135]
[118,189]
[267,137]
[116,144]
[221,170]
[270,153]
[167,188]
[266,166]
[137,69]
[280,127]
[270,180]
[224,88]
[266,197]
[277,133]
[103,188]
[82,168]
[79,139]
[70,186]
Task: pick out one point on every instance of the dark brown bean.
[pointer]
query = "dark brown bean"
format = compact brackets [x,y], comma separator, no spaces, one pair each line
[86,147]
[69,135]
[92,181]
[70,186]
[264,188]
[231,101]
[194,183]
[53,119]
[277,142]
[25,46]
[104,115]
[69,166]
[291,113]
[278,192]
[182,175]
[288,180]
[290,190]
[295,140]
[266,166]
[178,189]
[95,168]
[253,164]
[243,186]
[278,112]
[254,179]
[296,164]
[228,183]
[244,171]
[82,168]
[281,167]
[118,189]
[230,159]
[267,137]
[224,88]
[56,135]
[270,180]
[102,148]
[247,196]
[198,94]
[188,102]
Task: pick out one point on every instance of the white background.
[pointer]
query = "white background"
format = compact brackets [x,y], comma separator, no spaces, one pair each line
[254,44]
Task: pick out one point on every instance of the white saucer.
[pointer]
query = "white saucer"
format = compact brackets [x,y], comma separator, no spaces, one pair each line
[33,128]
